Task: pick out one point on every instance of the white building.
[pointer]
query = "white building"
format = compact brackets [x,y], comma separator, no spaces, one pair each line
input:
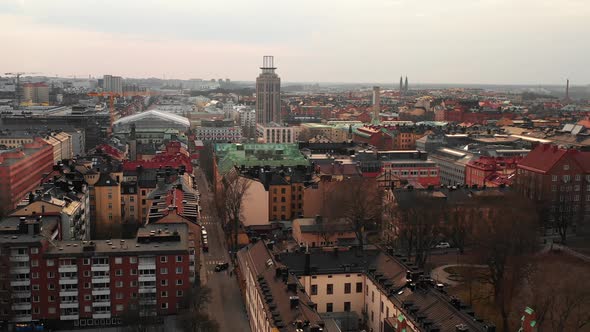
[112,84]
[275,133]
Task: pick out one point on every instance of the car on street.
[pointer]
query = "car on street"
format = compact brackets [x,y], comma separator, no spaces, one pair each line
[443,245]
[221,266]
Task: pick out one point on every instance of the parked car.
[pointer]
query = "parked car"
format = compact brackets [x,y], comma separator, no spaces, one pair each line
[443,245]
[205,245]
[221,266]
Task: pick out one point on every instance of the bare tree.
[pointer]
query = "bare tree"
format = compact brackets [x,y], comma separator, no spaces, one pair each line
[561,300]
[459,220]
[418,218]
[505,239]
[357,201]
[193,316]
[234,188]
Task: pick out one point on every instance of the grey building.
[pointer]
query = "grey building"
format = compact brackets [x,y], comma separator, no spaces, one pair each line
[451,163]
[268,93]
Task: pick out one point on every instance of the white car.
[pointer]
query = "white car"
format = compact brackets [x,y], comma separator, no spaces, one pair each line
[443,245]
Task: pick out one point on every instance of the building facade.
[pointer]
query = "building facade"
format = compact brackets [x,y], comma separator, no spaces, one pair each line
[275,133]
[96,284]
[268,93]
[21,171]
[36,93]
[113,84]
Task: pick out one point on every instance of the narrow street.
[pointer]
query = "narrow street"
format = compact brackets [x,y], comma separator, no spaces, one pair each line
[227,305]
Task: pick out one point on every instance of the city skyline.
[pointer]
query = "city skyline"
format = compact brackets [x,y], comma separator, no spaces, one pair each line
[464,42]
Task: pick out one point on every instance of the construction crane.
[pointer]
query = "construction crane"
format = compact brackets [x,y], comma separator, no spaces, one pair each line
[17,88]
[112,95]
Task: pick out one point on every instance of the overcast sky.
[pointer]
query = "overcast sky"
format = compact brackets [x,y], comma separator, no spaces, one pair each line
[431,41]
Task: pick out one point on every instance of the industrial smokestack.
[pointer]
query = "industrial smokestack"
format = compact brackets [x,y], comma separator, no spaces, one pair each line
[567,90]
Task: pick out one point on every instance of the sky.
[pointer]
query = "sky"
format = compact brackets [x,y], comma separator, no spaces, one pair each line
[430,41]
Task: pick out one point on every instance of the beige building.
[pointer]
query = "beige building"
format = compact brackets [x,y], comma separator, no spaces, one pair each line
[275,133]
[318,232]
[61,143]
[36,93]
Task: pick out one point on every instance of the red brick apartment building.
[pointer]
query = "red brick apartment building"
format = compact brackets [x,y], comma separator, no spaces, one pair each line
[554,177]
[491,171]
[89,283]
[21,171]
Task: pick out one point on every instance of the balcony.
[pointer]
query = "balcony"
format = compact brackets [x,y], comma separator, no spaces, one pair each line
[147,277]
[68,268]
[146,266]
[101,280]
[20,270]
[22,318]
[19,258]
[100,267]
[101,291]
[147,290]
[147,301]
[21,295]
[101,304]
[68,292]
[21,282]
[67,305]
[21,306]
[69,317]
[68,281]
[101,315]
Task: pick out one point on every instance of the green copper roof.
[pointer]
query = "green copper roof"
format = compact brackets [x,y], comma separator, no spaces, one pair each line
[252,154]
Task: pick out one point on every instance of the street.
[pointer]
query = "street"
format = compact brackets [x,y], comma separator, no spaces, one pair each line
[227,305]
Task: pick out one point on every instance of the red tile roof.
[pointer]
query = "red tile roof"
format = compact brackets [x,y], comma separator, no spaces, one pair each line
[545,156]
[542,158]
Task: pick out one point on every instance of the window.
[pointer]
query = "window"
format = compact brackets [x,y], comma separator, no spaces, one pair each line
[118,260]
[329,307]
[164,282]
[553,187]
[119,284]
[346,306]
[554,178]
[372,296]
[330,289]
[163,259]
[35,275]
[179,293]
[381,306]
[87,273]
[283,190]
[35,298]
[50,262]
[133,283]
[163,270]
[347,288]
[179,270]
[119,307]
[164,294]
[119,296]
[34,251]
[51,286]
[34,263]
[87,308]
[86,261]
[50,275]
[179,282]
[359,287]
[578,177]
[566,178]
[87,297]
[133,260]
[36,310]
[51,298]
[51,310]
[35,287]
[314,289]
[86,285]
[119,272]
[566,167]
[165,305]
[577,187]
[178,259]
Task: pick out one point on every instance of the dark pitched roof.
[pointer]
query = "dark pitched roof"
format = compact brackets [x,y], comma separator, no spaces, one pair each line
[105,180]
[542,158]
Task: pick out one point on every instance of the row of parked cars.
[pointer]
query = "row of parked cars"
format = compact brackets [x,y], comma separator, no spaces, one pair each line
[204,239]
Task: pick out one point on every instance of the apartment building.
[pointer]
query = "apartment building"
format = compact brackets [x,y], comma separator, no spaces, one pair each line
[275,133]
[452,164]
[411,166]
[21,171]
[90,283]
[36,93]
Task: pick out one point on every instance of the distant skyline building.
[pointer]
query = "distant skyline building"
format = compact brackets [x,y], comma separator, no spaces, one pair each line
[376,104]
[268,93]
[401,85]
[406,85]
[113,84]
[567,90]
[36,93]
